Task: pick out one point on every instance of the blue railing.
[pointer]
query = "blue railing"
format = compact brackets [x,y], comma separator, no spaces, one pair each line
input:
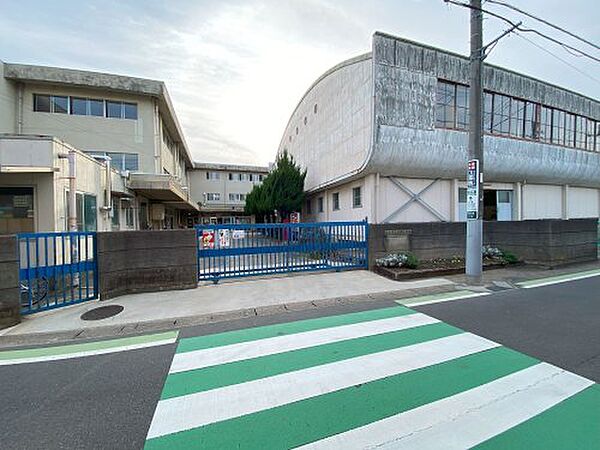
[56,269]
[230,250]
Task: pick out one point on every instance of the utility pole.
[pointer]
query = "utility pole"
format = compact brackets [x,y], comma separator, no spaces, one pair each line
[474,242]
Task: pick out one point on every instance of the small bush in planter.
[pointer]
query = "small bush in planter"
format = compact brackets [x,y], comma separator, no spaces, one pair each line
[403,259]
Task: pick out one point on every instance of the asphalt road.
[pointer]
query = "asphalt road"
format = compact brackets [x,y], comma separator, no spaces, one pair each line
[107,401]
[559,324]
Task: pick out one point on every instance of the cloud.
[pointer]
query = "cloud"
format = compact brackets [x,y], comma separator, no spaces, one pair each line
[236,69]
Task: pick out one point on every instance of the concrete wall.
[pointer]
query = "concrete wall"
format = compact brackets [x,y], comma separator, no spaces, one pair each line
[9,282]
[407,143]
[546,242]
[146,261]
[333,140]
[8,103]
[97,134]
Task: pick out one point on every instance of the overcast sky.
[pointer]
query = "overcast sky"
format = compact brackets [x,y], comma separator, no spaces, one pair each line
[236,69]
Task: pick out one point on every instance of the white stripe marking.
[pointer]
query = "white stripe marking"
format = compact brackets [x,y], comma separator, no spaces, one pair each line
[466,419]
[100,351]
[562,280]
[447,299]
[199,359]
[202,408]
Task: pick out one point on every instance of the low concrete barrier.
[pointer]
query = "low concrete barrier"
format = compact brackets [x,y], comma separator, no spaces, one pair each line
[549,242]
[9,282]
[146,261]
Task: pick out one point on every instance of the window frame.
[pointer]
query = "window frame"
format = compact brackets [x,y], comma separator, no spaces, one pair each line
[355,203]
[335,201]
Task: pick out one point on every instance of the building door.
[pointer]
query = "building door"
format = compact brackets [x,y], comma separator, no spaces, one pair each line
[16,210]
[504,205]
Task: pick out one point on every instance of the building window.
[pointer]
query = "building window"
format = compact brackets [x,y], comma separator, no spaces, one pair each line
[335,197]
[237,197]
[305,120]
[87,212]
[261,177]
[96,107]
[570,130]
[558,127]
[129,213]
[230,177]
[308,206]
[213,197]
[462,107]
[320,204]
[50,103]
[16,210]
[444,102]
[488,107]
[517,117]
[580,132]
[545,126]
[213,175]
[501,114]
[357,197]
[251,177]
[532,120]
[115,221]
[79,106]
[315,108]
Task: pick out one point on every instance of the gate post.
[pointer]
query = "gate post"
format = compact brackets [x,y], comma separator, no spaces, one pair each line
[10,309]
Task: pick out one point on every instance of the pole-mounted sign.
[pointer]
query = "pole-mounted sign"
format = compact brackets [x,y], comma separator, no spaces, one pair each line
[473,186]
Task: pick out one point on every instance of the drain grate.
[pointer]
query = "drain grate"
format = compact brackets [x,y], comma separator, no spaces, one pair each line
[103,312]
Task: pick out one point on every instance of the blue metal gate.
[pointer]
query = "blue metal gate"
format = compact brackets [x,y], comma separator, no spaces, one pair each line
[56,269]
[228,251]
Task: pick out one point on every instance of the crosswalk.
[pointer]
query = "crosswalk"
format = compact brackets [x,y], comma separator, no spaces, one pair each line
[387,378]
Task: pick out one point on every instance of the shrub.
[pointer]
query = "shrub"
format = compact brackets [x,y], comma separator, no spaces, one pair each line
[403,259]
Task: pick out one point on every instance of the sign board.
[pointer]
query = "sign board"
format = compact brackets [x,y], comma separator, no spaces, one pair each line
[224,238]
[208,239]
[473,187]
[295,217]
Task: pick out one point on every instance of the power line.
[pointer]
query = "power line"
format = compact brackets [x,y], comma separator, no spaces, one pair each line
[539,19]
[559,58]
[527,30]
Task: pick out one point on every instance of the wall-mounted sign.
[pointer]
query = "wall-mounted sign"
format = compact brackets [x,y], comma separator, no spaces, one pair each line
[473,186]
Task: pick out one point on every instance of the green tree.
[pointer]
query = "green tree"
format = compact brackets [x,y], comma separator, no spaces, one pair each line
[281,190]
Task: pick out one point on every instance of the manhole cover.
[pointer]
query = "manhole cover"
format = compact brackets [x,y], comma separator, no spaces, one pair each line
[102,312]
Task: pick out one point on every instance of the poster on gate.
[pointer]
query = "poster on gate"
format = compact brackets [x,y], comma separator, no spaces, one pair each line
[208,239]
[224,238]
[238,234]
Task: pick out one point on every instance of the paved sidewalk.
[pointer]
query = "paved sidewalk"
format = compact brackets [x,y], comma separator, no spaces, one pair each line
[213,303]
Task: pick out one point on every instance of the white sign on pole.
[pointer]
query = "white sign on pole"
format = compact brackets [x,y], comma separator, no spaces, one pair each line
[473,186]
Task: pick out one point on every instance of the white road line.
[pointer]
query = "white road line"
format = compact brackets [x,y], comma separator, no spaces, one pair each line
[202,408]
[466,419]
[100,351]
[198,359]
[447,299]
[550,281]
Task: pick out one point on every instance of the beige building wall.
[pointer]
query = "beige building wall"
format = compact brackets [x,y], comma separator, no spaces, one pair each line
[542,201]
[583,202]
[95,134]
[8,103]
[346,212]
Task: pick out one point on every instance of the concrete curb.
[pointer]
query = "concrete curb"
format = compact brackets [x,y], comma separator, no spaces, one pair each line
[83,334]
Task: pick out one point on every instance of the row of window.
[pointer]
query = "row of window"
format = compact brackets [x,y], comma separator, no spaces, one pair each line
[122,161]
[335,201]
[216,197]
[79,106]
[510,116]
[239,176]
[315,108]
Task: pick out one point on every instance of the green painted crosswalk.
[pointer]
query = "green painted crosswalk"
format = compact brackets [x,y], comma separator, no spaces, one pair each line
[392,377]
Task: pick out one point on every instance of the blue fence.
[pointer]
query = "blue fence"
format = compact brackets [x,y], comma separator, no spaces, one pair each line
[56,269]
[228,251]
